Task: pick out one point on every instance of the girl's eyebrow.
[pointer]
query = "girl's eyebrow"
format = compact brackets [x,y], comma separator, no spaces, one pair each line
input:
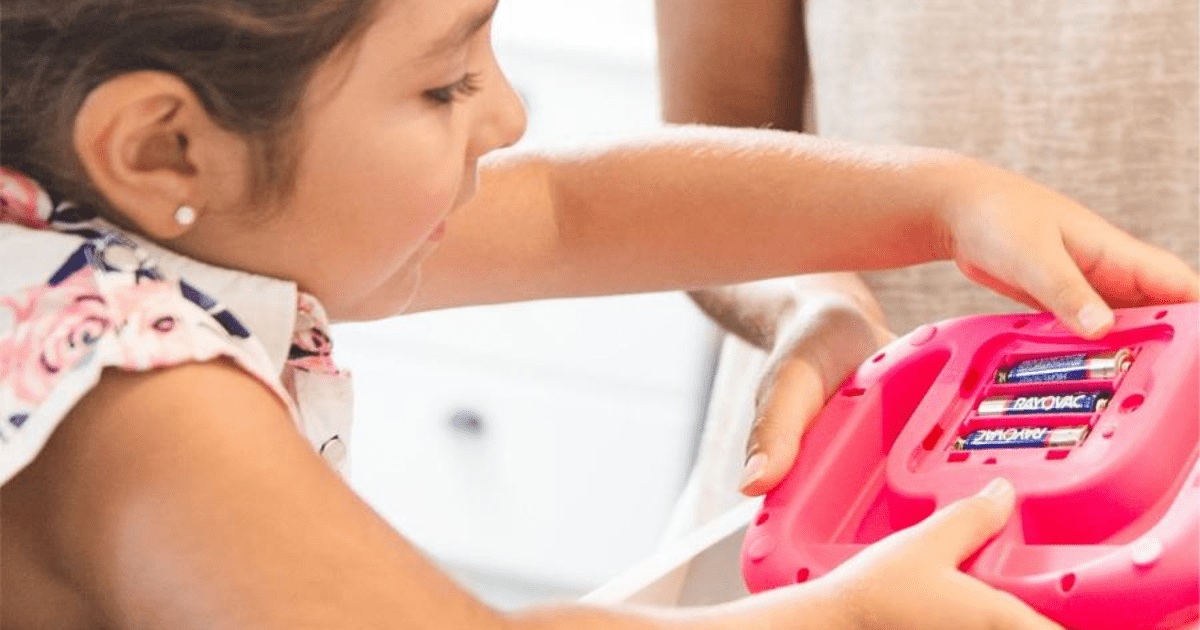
[461,31]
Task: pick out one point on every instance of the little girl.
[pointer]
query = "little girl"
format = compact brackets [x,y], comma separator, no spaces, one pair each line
[193,189]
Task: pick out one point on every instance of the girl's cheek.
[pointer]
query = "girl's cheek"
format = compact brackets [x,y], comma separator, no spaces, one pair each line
[438,194]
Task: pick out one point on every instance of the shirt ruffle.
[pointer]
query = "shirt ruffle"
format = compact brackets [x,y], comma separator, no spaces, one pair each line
[78,295]
[57,339]
[102,303]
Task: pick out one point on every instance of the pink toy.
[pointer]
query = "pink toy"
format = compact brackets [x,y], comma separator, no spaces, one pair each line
[1099,437]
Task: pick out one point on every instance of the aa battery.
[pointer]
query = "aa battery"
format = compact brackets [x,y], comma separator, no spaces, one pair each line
[1023,437]
[1071,367]
[1075,402]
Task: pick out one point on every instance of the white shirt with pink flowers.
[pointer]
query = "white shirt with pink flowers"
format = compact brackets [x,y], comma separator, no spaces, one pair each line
[78,295]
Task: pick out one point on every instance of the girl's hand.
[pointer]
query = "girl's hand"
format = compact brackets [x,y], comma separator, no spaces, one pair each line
[911,578]
[815,349]
[1016,237]
[908,580]
[1036,246]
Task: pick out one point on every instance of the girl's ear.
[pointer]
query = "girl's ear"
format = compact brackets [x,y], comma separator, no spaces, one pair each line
[149,146]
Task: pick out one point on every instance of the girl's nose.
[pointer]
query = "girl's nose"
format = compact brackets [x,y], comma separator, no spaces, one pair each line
[504,120]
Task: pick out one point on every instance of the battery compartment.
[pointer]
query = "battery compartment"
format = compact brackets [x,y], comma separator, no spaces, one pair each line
[1108,521]
[1041,517]
[1052,420]
[1145,344]
[880,510]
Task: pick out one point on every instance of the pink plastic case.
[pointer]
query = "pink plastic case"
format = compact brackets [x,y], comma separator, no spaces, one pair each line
[1106,531]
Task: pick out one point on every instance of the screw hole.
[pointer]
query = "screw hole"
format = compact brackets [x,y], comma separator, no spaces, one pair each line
[1067,582]
[1021,323]
[1160,315]
[1108,432]
[1131,403]
[802,575]
[931,439]
[990,460]
[854,391]
[762,518]
[878,357]
[969,382]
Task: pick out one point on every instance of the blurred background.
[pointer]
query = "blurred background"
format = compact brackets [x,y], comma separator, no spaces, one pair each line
[535,450]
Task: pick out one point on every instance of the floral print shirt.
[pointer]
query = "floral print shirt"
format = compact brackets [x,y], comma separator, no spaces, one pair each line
[78,295]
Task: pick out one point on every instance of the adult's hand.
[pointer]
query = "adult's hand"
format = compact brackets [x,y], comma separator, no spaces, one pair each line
[815,349]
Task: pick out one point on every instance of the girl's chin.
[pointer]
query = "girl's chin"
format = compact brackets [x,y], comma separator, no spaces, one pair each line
[406,291]
[394,297]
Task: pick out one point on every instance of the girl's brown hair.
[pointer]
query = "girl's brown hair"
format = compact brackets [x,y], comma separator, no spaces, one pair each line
[247,60]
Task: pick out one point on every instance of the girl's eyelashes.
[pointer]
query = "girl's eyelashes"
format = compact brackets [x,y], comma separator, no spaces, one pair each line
[462,88]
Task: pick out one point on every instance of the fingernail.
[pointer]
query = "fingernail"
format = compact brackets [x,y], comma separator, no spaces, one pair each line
[755,467]
[1094,317]
[999,490]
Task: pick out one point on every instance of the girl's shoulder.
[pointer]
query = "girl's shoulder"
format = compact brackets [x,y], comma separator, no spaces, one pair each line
[79,297]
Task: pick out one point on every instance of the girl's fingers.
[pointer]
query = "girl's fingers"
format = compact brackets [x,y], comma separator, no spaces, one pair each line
[955,532]
[1075,267]
[1140,274]
[979,276]
[1057,285]
[1007,612]
[796,393]
[1054,280]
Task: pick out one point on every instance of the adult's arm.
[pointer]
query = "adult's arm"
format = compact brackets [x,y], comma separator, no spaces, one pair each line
[733,63]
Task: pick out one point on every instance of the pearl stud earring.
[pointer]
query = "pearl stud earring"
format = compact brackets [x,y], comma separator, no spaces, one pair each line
[185,215]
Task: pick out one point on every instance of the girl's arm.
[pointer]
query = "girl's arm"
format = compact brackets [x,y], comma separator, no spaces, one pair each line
[699,206]
[185,498]
[689,207]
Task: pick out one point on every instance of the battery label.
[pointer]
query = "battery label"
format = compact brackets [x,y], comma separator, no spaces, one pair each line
[1022,437]
[1078,402]
[1049,368]
[1071,367]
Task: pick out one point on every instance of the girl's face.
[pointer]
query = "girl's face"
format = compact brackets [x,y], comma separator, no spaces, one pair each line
[391,132]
